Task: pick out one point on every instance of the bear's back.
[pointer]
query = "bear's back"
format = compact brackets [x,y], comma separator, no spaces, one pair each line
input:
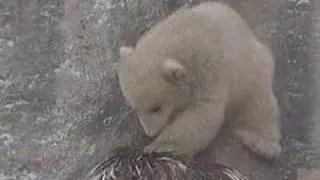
[205,30]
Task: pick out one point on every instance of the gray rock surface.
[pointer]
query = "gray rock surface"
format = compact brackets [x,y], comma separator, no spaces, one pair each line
[309,174]
[61,109]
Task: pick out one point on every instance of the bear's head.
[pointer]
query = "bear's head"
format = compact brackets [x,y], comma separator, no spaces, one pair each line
[157,87]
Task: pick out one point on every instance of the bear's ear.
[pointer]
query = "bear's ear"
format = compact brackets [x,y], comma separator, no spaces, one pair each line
[125,51]
[174,71]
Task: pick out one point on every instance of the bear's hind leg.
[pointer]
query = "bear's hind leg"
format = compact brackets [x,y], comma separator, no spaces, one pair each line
[260,127]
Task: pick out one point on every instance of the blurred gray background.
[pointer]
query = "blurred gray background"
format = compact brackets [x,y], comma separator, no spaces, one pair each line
[61,109]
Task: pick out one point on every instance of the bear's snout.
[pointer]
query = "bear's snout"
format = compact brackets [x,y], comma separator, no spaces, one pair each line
[152,124]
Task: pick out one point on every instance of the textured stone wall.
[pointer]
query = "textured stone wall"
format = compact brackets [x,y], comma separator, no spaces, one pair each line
[61,109]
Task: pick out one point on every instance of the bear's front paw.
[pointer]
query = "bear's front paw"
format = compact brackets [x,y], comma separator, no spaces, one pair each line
[269,149]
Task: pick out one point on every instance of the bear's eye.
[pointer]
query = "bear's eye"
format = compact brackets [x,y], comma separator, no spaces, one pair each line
[155,108]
